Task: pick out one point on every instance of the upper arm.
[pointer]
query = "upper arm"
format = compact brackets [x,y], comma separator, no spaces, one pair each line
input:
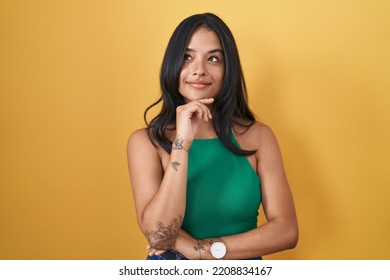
[277,197]
[145,170]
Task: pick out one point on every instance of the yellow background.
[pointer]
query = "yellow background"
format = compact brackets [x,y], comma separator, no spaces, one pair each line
[76,76]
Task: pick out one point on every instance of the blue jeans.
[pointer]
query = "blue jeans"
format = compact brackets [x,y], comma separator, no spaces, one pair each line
[167,255]
[173,255]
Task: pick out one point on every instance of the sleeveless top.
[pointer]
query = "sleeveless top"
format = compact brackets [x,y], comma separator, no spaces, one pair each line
[223,191]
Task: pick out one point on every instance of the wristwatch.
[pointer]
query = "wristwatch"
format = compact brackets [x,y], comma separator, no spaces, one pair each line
[218,249]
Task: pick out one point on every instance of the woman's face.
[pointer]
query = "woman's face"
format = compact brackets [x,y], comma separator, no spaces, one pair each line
[203,66]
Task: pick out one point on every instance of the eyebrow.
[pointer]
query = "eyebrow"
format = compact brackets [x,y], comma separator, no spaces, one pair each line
[211,51]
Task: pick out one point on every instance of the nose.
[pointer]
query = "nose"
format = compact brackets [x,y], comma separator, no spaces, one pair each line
[199,69]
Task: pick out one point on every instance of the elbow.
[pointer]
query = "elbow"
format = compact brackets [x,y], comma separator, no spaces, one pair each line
[292,237]
[164,246]
[160,242]
[163,236]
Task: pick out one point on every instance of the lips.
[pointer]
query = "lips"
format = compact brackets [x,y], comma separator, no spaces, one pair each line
[199,84]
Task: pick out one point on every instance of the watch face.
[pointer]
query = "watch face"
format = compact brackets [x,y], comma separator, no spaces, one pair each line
[218,250]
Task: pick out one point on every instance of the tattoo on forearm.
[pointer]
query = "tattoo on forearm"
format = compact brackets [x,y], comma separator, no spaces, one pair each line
[164,237]
[199,248]
[178,144]
[174,164]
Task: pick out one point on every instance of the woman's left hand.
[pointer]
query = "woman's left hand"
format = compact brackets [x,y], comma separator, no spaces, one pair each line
[153,252]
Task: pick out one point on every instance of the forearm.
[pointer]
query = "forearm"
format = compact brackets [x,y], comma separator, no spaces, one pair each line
[163,216]
[267,239]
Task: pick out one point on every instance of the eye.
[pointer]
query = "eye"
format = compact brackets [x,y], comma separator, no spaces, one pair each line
[215,58]
[187,57]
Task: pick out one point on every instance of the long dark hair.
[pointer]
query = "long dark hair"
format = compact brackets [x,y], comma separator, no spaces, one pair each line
[230,105]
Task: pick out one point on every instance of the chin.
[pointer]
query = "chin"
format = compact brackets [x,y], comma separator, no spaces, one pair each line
[197,97]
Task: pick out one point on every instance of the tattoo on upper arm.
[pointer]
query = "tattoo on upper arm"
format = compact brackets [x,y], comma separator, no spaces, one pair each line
[178,144]
[165,235]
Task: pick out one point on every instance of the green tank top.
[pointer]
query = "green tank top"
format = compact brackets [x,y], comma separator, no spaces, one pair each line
[223,191]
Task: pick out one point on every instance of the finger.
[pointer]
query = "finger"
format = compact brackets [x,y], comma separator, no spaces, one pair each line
[203,113]
[206,113]
[200,113]
[203,110]
[156,252]
[207,100]
[199,109]
[152,252]
[159,252]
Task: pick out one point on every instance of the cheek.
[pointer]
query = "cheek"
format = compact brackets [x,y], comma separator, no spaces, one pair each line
[181,78]
[184,70]
[183,74]
[218,75]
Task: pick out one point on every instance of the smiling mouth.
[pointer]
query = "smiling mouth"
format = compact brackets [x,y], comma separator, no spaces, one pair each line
[199,85]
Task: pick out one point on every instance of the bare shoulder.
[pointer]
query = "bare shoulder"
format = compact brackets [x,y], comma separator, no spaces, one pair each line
[139,136]
[257,137]
[139,141]
[260,129]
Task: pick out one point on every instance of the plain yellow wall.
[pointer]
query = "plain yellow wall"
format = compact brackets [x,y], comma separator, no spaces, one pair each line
[76,76]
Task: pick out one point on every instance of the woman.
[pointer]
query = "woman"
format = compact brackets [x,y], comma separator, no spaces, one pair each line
[203,165]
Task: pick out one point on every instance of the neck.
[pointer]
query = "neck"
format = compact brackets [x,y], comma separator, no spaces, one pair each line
[205,130]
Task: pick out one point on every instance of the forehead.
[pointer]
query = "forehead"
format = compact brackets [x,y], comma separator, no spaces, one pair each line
[204,38]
